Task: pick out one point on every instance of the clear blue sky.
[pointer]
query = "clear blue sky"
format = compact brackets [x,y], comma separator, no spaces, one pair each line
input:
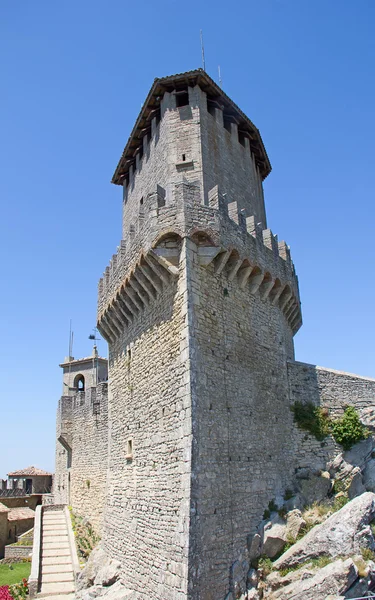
[73,78]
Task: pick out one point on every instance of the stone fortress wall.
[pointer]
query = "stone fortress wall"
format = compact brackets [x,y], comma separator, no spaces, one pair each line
[82,448]
[199,307]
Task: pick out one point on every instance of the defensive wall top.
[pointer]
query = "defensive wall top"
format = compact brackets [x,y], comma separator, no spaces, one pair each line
[215,95]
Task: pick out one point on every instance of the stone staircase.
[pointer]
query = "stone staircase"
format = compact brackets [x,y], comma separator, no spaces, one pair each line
[56,569]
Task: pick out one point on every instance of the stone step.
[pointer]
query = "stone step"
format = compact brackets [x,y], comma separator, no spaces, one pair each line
[57,588]
[61,527]
[60,537]
[58,568]
[57,577]
[47,552]
[54,545]
[54,521]
[57,560]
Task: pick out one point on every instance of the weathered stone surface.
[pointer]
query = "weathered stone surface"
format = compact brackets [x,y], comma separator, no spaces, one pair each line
[108,573]
[342,534]
[255,547]
[359,454]
[293,503]
[369,476]
[275,536]
[275,580]
[238,575]
[335,578]
[294,524]
[356,487]
[315,488]
[253,594]
[98,560]
[339,468]
[252,578]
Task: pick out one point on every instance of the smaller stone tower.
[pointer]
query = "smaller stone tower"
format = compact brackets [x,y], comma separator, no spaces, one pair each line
[81,437]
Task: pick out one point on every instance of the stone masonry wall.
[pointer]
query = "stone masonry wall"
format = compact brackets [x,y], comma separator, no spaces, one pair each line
[64,435]
[242,455]
[88,483]
[147,516]
[333,390]
[81,453]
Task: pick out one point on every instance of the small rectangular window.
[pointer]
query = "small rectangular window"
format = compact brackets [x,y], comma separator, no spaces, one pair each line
[182,99]
[129,449]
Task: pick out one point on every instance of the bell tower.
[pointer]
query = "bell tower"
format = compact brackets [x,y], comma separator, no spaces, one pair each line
[199,307]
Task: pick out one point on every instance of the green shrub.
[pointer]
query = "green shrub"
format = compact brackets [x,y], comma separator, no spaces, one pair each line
[348,430]
[266,564]
[311,418]
[367,554]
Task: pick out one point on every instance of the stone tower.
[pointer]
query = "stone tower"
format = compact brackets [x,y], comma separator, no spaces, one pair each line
[82,437]
[199,307]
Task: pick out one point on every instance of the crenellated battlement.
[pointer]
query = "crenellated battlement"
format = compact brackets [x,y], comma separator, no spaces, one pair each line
[140,268]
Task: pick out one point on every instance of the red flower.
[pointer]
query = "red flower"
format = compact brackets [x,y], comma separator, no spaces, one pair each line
[4,593]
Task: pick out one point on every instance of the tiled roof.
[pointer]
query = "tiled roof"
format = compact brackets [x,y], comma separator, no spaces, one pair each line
[208,85]
[82,360]
[3,508]
[18,514]
[29,472]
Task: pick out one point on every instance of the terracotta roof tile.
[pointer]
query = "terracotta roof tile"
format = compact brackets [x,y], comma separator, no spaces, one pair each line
[18,514]
[29,472]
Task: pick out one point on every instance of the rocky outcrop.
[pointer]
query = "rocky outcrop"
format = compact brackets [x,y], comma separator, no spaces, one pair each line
[335,579]
[342,534]
[100,578]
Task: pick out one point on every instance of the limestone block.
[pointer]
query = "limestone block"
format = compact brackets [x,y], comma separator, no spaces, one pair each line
[356,487]
[315,489]
[275,536]
[294,523]
[369,476]
[360,453]
[343,533]
[335,578]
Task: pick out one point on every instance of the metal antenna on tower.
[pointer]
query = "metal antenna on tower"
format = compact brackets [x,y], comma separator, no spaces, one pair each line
[202,48]
[220,80]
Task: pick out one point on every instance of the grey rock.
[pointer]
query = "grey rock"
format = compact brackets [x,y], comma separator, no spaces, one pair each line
[254,545]
[304,473]
[118,592]
[238,577]
[99,571]
[358,589]
[275,580]
[275,536]
[339,468]
[108,573]
[252,579]
[86,577]
[343,533]
[253,594]
[360,453]
[369,476]
[315,489]
[293,503]
[356,487]
[294,524]
[334,579]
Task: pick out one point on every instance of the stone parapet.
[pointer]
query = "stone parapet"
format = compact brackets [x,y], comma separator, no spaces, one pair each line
[144,264]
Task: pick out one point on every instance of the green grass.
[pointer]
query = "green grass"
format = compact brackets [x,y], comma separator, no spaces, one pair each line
[16,574]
